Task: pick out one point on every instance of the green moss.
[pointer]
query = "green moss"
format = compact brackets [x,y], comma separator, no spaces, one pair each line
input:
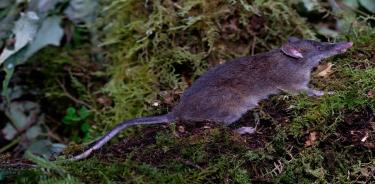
[165,45]
[148,46]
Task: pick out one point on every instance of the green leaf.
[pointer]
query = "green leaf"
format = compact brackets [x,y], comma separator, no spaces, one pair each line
[7,22]
[20,112]
[71,119]
[9,131]
[85,127]
[84,113]
[43,6]
[57,148]
[368,4]
[351,3]
[5,3]
[50,33]
[9,70]
[71,111]
[82,11]
[310,5]
[24,30]
[327,32]
[46,148]
[44,163]
[2,175]
[33,132]
[72,116]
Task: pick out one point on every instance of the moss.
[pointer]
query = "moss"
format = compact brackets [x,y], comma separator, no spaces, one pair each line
[165,45]
[149,48]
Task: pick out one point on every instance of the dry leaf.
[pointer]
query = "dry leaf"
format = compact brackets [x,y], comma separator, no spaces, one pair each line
[181,129]
[365,137]
[156,103]
[369,145]
[324,70]
[371,93]
[206,127]
[313,136]
[365,172]
[169,100]
[103,100]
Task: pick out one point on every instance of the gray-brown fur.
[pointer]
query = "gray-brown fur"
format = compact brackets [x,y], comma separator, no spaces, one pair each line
[223,94]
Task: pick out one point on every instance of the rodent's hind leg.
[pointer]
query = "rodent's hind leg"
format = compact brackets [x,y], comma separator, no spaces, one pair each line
[295,89]
[313,92]
[249,130]
[246,130]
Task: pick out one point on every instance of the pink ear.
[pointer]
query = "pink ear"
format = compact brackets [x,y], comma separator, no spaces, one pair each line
[291,51]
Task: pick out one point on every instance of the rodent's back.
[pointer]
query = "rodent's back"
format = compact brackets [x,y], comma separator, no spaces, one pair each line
[225,92]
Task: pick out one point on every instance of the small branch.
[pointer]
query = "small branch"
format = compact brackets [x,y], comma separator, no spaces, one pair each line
[6,147]
[67,94]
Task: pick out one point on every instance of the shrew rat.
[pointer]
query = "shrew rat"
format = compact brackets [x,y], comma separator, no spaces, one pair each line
[224,93]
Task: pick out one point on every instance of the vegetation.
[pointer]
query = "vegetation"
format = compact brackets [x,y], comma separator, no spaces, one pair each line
[153,50]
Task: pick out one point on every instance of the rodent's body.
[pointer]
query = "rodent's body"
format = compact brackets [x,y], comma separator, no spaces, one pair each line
[224,93]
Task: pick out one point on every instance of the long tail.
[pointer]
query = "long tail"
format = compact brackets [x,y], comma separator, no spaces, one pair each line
[119,128]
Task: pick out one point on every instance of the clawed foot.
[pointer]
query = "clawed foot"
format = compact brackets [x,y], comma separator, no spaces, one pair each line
[246,130]
[249,130]
[313,92]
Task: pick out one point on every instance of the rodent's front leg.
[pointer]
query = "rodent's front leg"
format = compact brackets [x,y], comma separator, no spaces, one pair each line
[294,89]
[246,130]
[313,92]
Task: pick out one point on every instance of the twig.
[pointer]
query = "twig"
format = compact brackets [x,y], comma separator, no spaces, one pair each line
[50,134]
[67,94]
[14,142]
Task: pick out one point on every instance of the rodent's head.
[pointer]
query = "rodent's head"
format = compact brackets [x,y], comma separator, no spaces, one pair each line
[313,51]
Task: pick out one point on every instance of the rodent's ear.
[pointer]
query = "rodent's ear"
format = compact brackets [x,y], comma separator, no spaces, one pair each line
[291,50]
[293,39]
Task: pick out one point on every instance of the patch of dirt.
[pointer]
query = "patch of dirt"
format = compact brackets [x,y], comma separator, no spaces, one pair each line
[11,166]
[142,147]
[128,144]
[187,134]
[358,129]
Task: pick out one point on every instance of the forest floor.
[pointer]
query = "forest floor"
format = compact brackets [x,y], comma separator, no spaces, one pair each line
[152,55]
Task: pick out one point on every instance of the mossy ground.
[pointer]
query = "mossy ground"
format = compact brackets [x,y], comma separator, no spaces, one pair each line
[157,52]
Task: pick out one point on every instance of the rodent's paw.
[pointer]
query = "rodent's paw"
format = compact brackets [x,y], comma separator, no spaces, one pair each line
[246,130]
[313,92]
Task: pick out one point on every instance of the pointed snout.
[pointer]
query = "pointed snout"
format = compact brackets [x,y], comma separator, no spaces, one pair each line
[343,46]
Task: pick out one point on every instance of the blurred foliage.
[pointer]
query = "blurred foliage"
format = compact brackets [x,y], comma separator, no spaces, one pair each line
[77,123]
[25,28]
